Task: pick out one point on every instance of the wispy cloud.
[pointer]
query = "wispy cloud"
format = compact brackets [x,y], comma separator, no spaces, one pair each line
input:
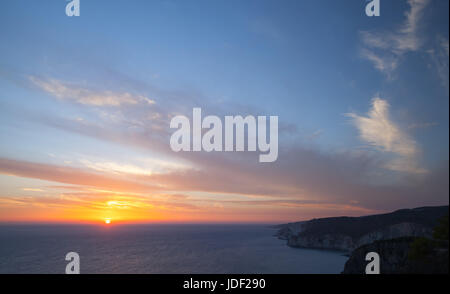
[87,96]
[296,177]
[380,131]
[440,60]
[146,166]
[116,168]
[445,46]
[384,49]
[74,176]
[32,189]
[422,125]
[299,173]
[385,64]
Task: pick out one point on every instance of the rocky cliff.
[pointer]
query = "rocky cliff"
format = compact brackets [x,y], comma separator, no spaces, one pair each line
[349,233]
[396,257]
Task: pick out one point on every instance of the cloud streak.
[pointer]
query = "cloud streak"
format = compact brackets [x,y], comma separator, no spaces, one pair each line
[440,59]
[69,175]
[86,96]
[380,131]
[298,174]
[384,49]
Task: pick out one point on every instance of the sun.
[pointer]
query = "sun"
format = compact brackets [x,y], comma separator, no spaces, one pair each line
[107,221]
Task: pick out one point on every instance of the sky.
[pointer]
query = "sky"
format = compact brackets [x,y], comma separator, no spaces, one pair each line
[86,103]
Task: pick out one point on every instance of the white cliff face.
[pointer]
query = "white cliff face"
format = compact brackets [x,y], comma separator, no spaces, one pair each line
[290,230]
[349,233]
[395,231]
[389,233]
[347,243]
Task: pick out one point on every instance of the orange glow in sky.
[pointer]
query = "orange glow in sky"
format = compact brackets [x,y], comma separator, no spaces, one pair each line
[86,200]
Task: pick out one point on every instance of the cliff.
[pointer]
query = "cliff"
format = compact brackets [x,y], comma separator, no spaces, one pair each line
[406,255]
[349,233]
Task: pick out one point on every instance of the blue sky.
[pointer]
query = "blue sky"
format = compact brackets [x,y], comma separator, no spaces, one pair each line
[95,93]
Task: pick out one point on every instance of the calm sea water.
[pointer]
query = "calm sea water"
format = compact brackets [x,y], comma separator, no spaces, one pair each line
[186,249]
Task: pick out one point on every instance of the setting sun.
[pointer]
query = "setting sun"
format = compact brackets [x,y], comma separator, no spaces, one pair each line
[107,221]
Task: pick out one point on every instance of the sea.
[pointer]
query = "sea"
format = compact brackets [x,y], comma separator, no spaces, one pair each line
[159,249]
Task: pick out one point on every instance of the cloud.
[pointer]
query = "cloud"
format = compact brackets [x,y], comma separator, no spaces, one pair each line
[385,64]
[440,59]
[422,125]
[316,134]
[445,46]
[380,131]
[81,205]
[384,49]
[114,167]
[146,166]
[414,15]
[295,179]
[32,189]
[70,175]
[86,96]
